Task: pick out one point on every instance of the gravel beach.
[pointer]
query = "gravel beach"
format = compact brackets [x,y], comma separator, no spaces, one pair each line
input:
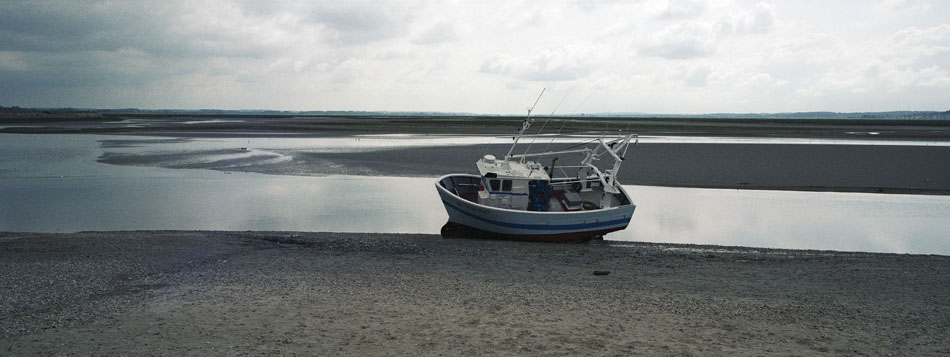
[199,293]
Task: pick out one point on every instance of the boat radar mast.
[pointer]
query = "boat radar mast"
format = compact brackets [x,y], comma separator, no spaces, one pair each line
[524,125]
[614,149]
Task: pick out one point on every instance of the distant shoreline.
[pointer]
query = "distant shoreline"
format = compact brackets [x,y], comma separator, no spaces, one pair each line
[314,125]
[820,115]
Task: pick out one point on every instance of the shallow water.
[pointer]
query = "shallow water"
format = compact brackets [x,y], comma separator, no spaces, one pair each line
[52,183]
[789,219]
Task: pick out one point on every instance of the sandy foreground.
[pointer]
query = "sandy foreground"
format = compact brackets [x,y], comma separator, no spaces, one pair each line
[197,293]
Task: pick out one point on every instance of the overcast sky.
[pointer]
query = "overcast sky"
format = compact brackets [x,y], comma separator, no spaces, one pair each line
[478,56]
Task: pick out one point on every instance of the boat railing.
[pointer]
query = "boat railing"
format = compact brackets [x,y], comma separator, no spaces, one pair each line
[569,180]
[568,176]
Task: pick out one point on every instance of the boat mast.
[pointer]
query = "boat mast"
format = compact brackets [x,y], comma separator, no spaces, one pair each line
[524,125]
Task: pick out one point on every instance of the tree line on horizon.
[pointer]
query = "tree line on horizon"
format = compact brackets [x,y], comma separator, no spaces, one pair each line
[907,114]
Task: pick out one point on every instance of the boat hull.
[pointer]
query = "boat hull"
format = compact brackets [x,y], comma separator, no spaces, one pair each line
[470,219]
[456,230]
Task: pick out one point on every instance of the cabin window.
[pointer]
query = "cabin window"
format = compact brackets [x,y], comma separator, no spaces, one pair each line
[506,185]
[494,184]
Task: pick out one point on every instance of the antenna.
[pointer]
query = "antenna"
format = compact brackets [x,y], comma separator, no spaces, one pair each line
[546,122]
[524,125]
[536,102]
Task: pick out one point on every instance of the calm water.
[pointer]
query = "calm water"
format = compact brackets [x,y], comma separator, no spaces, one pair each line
[52,183]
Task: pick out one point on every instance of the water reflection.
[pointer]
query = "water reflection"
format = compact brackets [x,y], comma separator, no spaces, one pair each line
[786,219]
[51,183]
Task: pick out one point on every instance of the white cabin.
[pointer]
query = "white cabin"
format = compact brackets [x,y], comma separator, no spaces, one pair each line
[505,183]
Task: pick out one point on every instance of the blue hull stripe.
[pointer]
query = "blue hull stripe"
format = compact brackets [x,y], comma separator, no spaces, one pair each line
[547,227]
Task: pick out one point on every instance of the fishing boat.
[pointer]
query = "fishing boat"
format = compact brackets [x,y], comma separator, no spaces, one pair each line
[520,199]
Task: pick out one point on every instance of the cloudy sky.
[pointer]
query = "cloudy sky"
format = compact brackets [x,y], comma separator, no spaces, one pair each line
[664,56]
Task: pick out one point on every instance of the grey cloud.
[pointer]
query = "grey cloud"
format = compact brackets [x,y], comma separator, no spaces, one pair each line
[681,41]
[760,20]
[594,5]
[697,77]
[680,49]
[680,9]
[763,19]
[340,23]
[76,69]
[352,23]
[560,64]
[78,46]
[438,33]
[936,37]
[914,49]
[55,20]
[699,38]
[152,27]
[916,56]
[495,65]
[69,26]
[73,79]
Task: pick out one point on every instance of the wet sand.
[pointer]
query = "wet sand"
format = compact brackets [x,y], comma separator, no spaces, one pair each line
[202,293]
[844,168]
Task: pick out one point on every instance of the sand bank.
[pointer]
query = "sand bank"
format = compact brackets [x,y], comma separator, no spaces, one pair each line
[838,168]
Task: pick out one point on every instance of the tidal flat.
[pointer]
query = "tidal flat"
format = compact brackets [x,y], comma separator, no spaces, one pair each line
[234,291]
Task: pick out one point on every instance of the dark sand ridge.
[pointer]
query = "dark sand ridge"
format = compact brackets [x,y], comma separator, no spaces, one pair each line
[857,168]
[201,293]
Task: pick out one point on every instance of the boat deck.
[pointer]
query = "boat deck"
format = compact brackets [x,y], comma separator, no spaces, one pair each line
[565,198]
